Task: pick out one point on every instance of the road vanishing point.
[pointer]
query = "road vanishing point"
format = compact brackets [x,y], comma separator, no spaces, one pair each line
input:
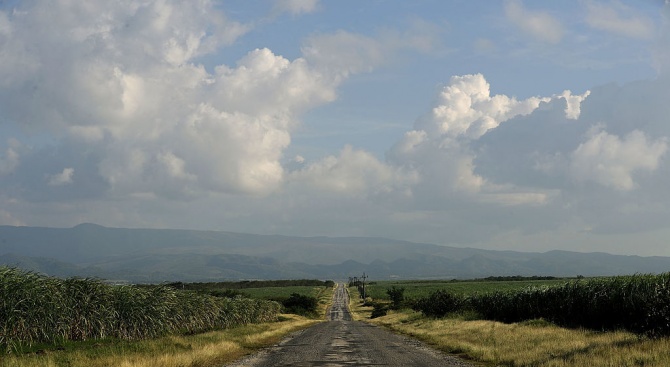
[340,341]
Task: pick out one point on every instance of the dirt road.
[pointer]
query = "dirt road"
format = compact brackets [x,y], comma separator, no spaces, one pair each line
[342,342]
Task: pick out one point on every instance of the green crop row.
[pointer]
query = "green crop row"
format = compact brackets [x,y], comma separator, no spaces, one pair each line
[41,309]
[638,303]
[420,289]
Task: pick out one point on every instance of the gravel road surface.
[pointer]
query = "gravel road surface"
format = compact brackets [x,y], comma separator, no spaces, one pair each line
[342,342]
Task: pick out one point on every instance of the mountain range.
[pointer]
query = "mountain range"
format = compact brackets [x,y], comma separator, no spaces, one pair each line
[161,255]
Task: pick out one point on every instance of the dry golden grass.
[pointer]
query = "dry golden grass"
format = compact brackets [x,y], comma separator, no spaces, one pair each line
[202,350]
[535,344]
[358,311]
[325,298]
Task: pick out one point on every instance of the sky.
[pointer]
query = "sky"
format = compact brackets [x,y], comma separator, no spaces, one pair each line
[508,125]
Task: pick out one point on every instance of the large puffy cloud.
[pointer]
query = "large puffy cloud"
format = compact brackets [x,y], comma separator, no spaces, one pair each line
[122,82]
[440,147]
[465,107]
[78,60]
[123,79]
[231,134]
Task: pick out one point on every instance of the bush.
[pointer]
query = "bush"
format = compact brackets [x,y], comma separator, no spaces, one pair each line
[397,296]
[378,310]
[300,304]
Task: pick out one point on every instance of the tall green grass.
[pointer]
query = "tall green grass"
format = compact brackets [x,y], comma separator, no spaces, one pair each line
[41,309]
[637,303]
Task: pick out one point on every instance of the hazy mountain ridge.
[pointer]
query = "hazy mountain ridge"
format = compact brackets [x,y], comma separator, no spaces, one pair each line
[155,255]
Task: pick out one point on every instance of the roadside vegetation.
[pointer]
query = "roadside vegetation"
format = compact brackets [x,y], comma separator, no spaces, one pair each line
[580,322]
[36,309]
[637,303]
[210,349]
[47,321]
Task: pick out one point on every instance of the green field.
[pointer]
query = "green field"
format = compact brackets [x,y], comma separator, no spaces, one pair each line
[260,289]
[282,292]
[422,288]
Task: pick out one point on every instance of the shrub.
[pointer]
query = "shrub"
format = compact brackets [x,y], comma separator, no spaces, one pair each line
[378,310]
[300,304]
[397,296]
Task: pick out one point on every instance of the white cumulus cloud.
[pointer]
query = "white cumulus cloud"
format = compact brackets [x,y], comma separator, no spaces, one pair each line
[465,107]
[440,147]
[122,79]
[611,161]
[573,103]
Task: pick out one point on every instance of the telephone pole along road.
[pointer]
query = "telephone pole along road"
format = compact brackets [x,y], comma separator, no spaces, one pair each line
[343,342]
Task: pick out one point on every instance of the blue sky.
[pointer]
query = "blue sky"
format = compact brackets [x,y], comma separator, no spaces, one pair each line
[521,125]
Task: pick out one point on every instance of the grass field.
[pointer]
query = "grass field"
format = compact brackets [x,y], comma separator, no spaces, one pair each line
[282,292]
[417,289]
[530,344]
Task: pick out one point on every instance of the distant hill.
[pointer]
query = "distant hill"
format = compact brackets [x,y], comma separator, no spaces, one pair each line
[157,255]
